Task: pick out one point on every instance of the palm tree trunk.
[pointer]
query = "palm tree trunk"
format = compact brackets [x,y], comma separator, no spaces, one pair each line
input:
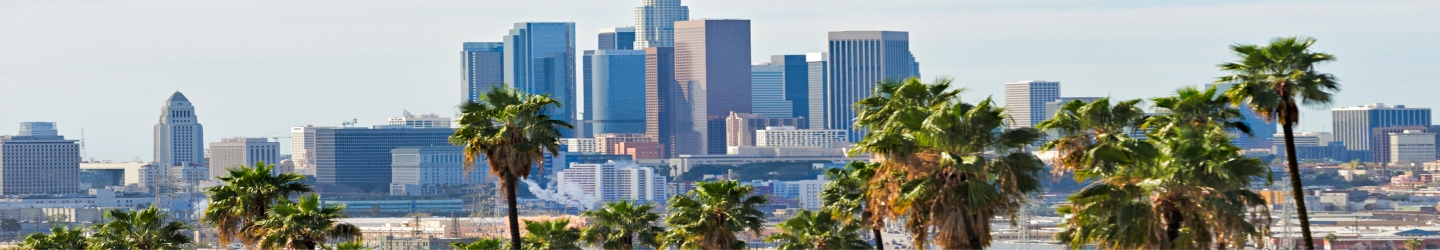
[1296,188]
[1173,221]
[879,243]
[514,213]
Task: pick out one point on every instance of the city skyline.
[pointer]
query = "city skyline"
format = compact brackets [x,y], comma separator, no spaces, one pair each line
[311,79]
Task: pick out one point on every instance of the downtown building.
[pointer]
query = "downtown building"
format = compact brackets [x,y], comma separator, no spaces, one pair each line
[1354,126]
[655,23]
[622,38]
[483,67]
[767,91]
[790,137]
[1026,101]
[712,72]
[362,157]
[540,59]
[856,61]
[1411,146]
[39,161]
[615,181]
[740,127]
[179,138]
[426,170]
[614,87]
[242,152]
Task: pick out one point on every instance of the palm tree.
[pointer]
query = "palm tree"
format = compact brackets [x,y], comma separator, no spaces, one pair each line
[551,234]
[1094,136]
[1414,244]
[819,231]
[480,244]
[139,229]
[619,225]
[511,131]
[303,225]
[58,238]
[245,196]
[1270,79]
[349,245]
[1185,187]
[946,167]
[1190,106]
[845,195]
[710,216]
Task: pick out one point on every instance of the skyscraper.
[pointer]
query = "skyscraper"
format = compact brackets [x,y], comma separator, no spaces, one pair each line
[1025,100]
[622,38]
[660,106]
[655,23]
[767,91]
[540,59]
[796,73]
[179,138]
[302,147]
[240,151]
[482,66]
[857,60]
[360,157]
[712,67]
[817,69]
[1353,125]
[39,161]
[614,92]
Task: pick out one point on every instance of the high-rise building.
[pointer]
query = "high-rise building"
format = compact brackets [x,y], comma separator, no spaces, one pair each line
[660,98]
[39,161]
[179,138]
[1412,146]
[240,152]
[857,60]
[615,181]
[421,120]
[740,127]
[540,59]
[614,88]
[622,38]
[302,146]
[1025,101]
[483,67]
[424,170]
[817,69]
[767,91]
[796,73]
[655,23]
[1354,124]
[712,65]
[361,157]
[786,136]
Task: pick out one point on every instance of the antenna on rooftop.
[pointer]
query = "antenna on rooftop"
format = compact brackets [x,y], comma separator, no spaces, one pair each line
[350,123]
[82,144]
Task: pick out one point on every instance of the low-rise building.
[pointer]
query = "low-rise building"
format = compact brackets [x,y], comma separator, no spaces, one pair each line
[615,181]
[97,198]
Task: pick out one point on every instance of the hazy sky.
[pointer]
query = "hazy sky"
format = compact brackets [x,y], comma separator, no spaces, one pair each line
[256,68]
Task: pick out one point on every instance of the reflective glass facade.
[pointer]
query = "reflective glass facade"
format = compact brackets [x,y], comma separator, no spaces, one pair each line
[540,59]
[857,60]
[614,92]
[360,157]
[483,67]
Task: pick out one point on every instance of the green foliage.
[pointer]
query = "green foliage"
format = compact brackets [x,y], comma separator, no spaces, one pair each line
[143,229]
[349,245]
[510,130]
[303,225]
[817,230]
[846,196]
[480,244]
[245,196]
[710,216]
[618,225]
[58,238]
[783,171]
[551,234]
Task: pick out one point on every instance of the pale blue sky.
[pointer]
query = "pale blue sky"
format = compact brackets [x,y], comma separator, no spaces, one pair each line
[256,68]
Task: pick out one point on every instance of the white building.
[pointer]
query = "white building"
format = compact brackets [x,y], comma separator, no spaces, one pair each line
[39,161]
[580,145]
[96,198]
[421,121]
[786,136]
[302,146]
[809,192]
[423,170]
[655,23]
[179,138]
[1025,100]
[239,152]
[614,181]
[1412,146]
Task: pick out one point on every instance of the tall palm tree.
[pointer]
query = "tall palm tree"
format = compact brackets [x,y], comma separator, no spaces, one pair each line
[710,216]
[510,129]
[819,231]
[244,197]
[303,225]
[844,196]
[1270,79]
[947,167]
[1095,136]
[622,225]
[144,229]
[480,244]
[551,234]
[1191,106]
[58,238]
[1188,189]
